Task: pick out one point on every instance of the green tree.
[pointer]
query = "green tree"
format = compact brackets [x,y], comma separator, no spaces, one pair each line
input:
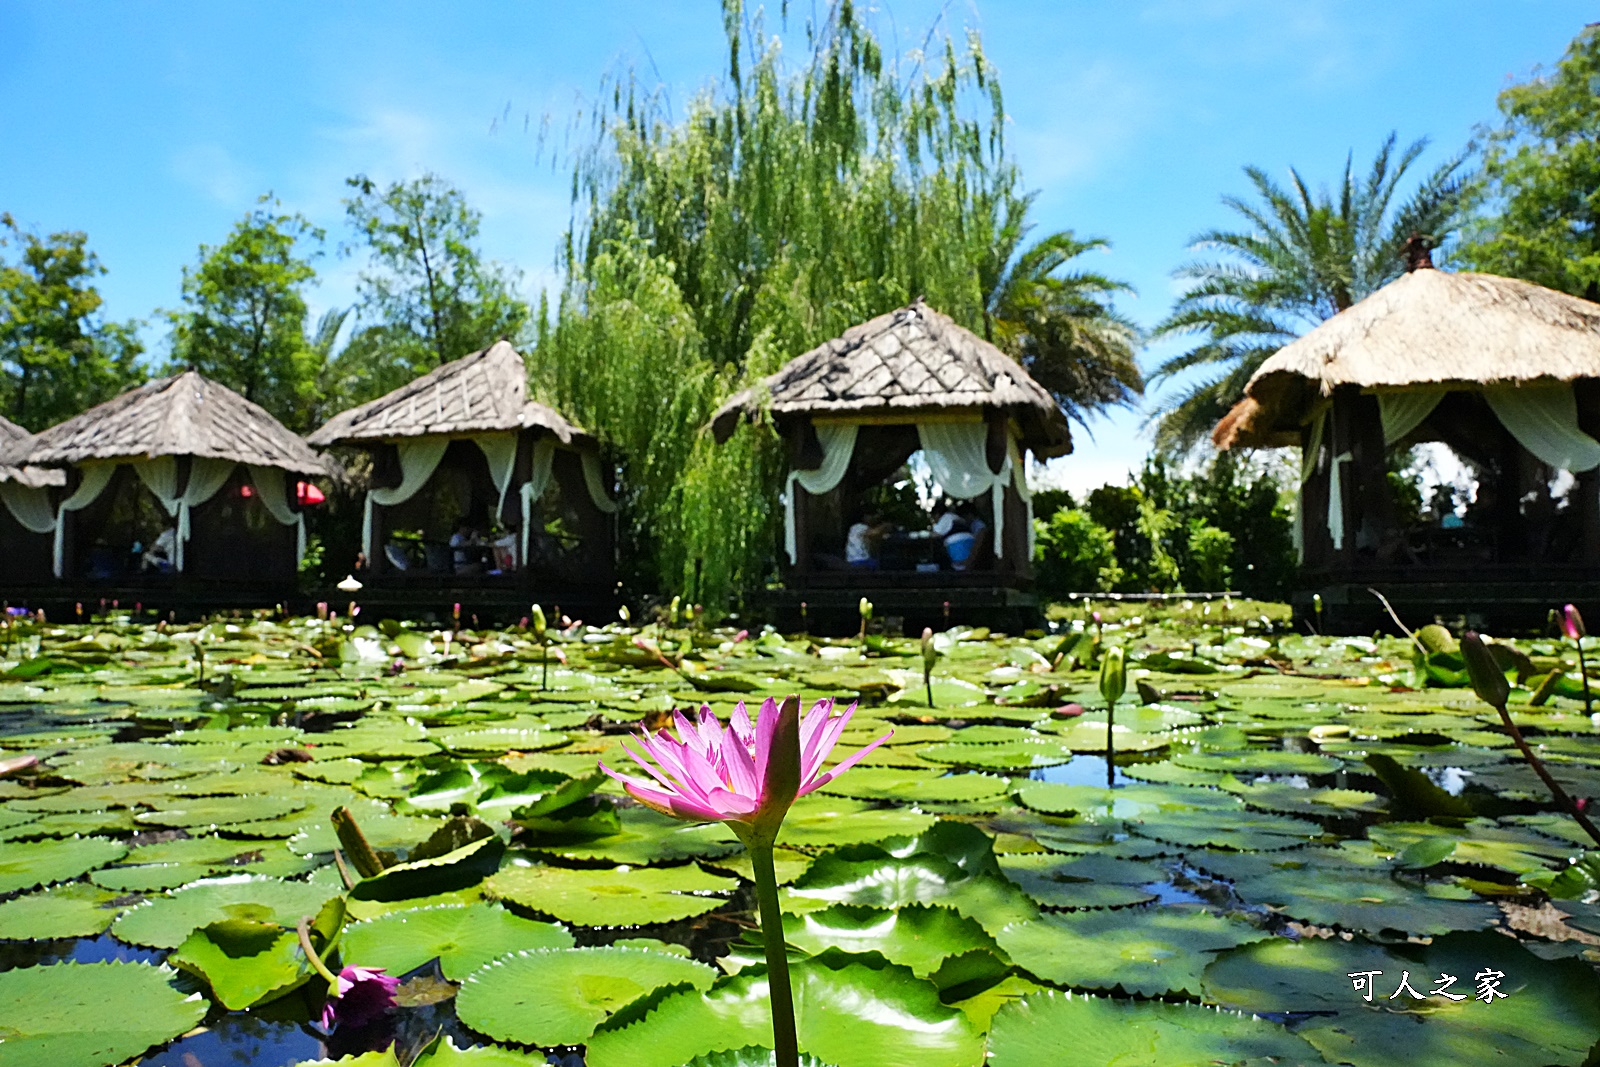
[244,314]
[1302,258]
[1543,178]
[787,204]
[1059,323]
[1075,554]
[427,295]
[57,355]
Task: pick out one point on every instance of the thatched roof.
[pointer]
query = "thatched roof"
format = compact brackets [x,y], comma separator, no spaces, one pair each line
[484,392]
[184,415]
[910,360]
[11,436]
[1427,328]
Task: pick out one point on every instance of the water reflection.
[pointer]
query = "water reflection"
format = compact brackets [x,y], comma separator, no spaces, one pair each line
[1080,770]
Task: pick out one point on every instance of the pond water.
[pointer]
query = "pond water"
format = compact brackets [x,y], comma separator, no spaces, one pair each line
[1268,831]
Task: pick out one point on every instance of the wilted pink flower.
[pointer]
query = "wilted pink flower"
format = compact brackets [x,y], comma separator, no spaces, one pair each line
[712,773]
[364,994]
[1068,711]
[1572,623]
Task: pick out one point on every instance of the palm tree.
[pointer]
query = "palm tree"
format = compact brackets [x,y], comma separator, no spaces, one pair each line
[1059,324]
[1304,259]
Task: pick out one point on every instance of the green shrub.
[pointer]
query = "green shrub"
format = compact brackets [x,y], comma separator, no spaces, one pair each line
[1075,554]
[1210,557]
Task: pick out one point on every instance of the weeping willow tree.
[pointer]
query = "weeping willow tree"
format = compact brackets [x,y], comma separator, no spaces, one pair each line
[788,203]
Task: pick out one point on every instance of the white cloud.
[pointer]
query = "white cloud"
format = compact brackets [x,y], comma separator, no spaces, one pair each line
[212,170]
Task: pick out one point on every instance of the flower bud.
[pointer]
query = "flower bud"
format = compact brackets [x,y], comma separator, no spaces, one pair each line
[537,615]
[929,653]
[1113,676]
[1572,623]
[1488,680]
[865,607]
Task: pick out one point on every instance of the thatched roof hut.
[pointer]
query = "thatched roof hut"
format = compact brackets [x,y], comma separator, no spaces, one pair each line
[1502,373]
[185,439]
[1428,329]
[484,392]
[464,446]
[909,360]
[183,415]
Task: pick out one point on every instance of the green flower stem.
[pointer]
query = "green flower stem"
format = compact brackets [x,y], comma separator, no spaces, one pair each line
[1583,672]
[304,930]
[1544,775]
[782,995]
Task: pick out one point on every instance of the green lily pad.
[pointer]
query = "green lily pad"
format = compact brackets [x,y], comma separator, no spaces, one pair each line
[850,1011]
[76,909]
[557,996]
[1057,882]
[90,1015]
[611,897]
[1144,951]
[166,921]
[1259,762]
[914,936]
[818,822]
[462,937]
[1067,1030]
[26,864]
[215,811]
[245,963]
[647,837]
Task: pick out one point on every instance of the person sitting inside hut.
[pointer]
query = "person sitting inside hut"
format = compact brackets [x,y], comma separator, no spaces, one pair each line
[464,545]
[965,542]
[862,541]
[158,557]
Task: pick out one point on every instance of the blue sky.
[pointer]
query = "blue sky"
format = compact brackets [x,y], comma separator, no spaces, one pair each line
[154,126]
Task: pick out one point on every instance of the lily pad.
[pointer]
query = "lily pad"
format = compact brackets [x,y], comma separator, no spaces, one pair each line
[68,1013]
[619,897]
[244,962]
[76,909]
[557,996]
[850,1011]
[462,937]
[1146,952]
[166,921]
[1068,1030]
[26,864]
[914,936]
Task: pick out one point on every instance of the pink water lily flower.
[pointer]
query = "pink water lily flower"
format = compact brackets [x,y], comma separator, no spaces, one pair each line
[743,775]
[364,995]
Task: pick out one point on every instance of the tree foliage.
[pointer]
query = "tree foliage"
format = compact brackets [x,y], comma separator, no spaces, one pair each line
[1059,323]
[1543,178]
[427,296]
[244,314]
[787,204]
[58,356]
[1301,258]
[1075,554]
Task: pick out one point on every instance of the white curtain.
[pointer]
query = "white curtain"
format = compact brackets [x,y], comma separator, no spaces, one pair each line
[29,505]
[160,476]
[96,476]
[419,458]
[272,489]
[1336,499]
[1403,412]
[500,449]
[595,479]
[958,455]
[544,455]
[1544,420]
[838,440]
